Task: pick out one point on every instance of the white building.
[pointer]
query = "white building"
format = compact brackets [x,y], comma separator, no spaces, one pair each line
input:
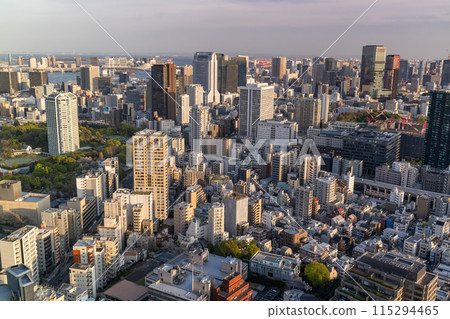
[84,277]
[270,129]
[199,122]
[236,211]
[62,123]
[255,105]
[397,196]
[205,73]
[216,223]
[92,185]
[195,93]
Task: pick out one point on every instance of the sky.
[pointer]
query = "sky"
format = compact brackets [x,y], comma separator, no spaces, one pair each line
[415,29]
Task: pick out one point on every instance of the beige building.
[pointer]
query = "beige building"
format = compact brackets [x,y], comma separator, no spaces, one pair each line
[183,213]
[150,168]
[21,209]
[307,113]
[20,247]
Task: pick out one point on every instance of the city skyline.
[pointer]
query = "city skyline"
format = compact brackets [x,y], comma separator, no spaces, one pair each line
[228,27]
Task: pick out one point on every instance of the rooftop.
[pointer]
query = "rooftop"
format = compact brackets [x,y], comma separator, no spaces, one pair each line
[126,291]
[18,234]
[273,260]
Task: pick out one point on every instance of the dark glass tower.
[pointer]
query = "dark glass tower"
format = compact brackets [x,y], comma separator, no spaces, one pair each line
[436,151]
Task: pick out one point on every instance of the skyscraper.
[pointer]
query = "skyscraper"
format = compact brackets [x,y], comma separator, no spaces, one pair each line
[9,82]
[150,168]
[255,105]
[242,62]
[391,74]
[162,91]
[307,113]
[62,123]
[89,77]
[445,77]
[372,69]
[38,78]
[278,68]
[183,213]
[206,74]
[404,70]
[236,211]
[436,152]
[195,92]
[199,122]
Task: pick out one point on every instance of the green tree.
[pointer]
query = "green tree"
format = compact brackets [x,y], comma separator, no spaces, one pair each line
[317,274]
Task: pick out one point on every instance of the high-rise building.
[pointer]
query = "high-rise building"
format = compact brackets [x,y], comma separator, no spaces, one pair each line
[303,203]
[21,282]
[185,75]
[59,218]
[84,277]
[199,122]
[324,107]
[254,211]
[242,62]
[404,70]
[280,166]
[216,223]
[183,213]
[19,247]
[445,75]
[206,74]
[162,91]
[89,77]
[307,113]
[236,211]
[92,184]
[278,68]
[46,249]
[255,105]
[372,69]
[391,74]
[272,129]
[9,82]
[150,168]
[183,110]
[195,92]
[325,190]
[227,75]
[436,152]
[62,123]
[38,78]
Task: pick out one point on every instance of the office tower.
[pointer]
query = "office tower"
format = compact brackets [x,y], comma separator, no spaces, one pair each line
[421,70]
[89,77]
[325,190]
[244,174]
[183,213]
[138,98]
[206,73]
[374,148]
[216,223]
[392,276]
[255,105]
[183,110]
[372,69]
[46,250]
[59,218]
[391,74]
[195,92]
[242,62]
[62,123]
[324,107]
[273,129]
[21,282]
[19,247]
[254,211]
[445,75]
[403,71]
[199,122]
[303,203]
[92,185]
[20,60]
[185,76]
[280,167]
[307,113]
[227,76]
[278,68]
[150,168]
[38,78]
[436,152]
[162,91]
[84,277]
[9,82]
[236,211]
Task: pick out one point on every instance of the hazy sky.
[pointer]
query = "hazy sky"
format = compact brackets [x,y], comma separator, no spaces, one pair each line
[295,28]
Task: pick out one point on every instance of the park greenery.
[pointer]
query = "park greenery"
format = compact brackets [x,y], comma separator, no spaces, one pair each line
[56,174]
[316,274]
[239,249]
